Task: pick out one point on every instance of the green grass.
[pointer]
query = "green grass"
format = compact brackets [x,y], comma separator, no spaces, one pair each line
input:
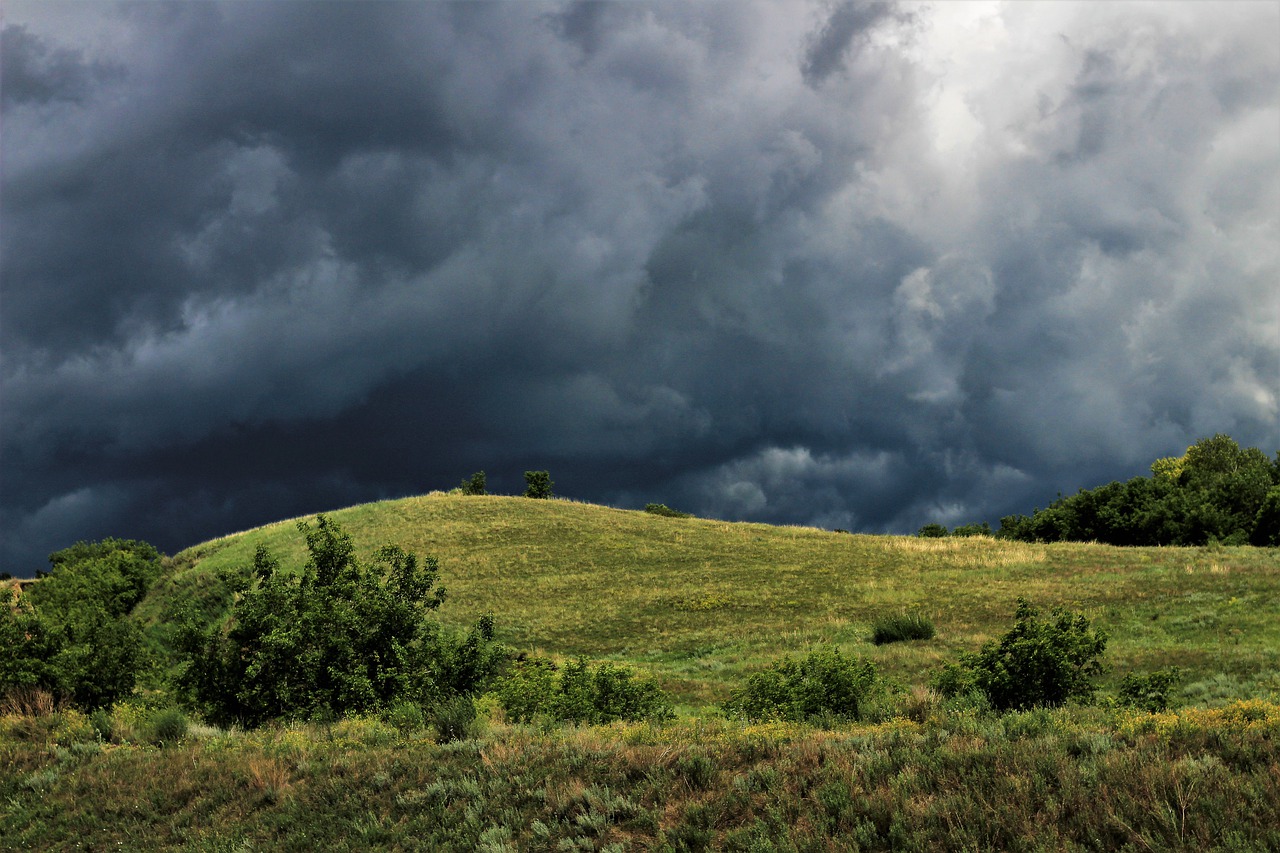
[956,780]
[700,603]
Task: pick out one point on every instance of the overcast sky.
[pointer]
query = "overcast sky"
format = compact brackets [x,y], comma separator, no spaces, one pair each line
[856,265]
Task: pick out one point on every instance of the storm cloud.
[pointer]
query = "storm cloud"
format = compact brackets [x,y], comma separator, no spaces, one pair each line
[860,265]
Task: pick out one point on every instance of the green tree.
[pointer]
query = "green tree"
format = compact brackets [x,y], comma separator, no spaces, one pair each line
[339,637]
[474,485]
[537,484]
[1266,524]
[70,634]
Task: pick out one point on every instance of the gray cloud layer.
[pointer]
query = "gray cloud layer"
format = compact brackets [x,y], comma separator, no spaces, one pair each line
[863,265]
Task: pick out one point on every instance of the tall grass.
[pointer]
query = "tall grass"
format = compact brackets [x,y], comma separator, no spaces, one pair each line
[1198,779]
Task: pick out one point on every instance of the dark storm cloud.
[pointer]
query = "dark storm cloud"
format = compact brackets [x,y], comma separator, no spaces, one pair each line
[863,265]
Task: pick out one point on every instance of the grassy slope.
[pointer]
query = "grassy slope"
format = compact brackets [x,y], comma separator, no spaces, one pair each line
[700,602]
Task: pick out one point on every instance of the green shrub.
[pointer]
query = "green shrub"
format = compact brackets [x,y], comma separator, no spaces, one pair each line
[103,724]
[1149,692]
[822,685]
[932,531]
[902,626]
[537,484]
[168,726]
[475,485]
[578,693]
[406,716]
[339,638]
[69,634]
[454,718]
[1040,662]
[666,511]
[981,529]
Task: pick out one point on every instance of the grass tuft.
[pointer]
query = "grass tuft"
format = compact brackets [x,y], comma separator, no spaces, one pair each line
[902,626]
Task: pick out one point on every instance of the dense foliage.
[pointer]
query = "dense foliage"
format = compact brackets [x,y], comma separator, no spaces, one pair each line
[665,511]
[537,484]
[476,484]
[340,637]
[823,685]
[1216,492]
[1040,662]
[70,634]
[579,693]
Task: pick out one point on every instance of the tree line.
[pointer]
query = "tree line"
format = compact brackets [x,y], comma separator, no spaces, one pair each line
[1216,492]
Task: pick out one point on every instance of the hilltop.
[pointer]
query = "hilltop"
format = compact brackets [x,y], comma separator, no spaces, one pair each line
[701,602]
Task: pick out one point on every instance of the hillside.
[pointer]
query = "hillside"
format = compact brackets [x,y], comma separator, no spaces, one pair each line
[700,602]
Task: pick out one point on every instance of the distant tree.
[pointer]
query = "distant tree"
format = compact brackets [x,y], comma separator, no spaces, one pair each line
[475,485]
[1266,525]
[1214,492]
[537,484]
[932,531]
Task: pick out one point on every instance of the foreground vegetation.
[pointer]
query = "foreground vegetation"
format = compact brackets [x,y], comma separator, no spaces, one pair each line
[944,777]
[787,689]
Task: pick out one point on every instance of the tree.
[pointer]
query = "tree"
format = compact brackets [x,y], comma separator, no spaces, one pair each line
[339,637]
[475,485]
[537,484]
[70,634]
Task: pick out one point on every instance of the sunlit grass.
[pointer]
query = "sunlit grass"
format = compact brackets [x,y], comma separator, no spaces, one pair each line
[702,602]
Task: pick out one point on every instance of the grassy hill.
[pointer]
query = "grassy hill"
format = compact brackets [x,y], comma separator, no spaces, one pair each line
[701,602]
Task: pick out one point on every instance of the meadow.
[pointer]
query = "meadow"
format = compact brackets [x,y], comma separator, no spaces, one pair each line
[701,604]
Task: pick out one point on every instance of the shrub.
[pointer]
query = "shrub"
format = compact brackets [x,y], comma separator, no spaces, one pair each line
[982,529]
[1149,692]
[537,484]
[406,716]
[69,634]
[822,685]
[666,511]
[1040,662]
[903,626]
[341,637]
[475,485]
[578,693]
[932,531]
[168,726]
[454,718]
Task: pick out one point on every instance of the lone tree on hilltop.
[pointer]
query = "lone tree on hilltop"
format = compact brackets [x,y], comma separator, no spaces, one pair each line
[537,484]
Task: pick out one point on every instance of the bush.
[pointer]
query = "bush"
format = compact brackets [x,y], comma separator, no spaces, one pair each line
[932,531]
[982,529]
[69,634]
[666,511]
[822,685]
[475,485]
[537,484]
[903,626]
[341,637]
[580,694]
[1149,692]
[168,727]
[454,718]
[1040,662]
